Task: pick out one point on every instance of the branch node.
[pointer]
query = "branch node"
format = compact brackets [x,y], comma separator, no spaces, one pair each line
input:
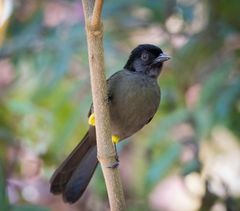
[95,30]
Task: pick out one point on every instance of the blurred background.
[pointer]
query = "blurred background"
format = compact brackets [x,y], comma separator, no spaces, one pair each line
[186,159]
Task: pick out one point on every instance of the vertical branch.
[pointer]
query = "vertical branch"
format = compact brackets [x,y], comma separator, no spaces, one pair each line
[97,11]
[106,153]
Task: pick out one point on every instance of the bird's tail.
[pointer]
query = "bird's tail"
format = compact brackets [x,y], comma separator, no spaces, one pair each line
[73,175]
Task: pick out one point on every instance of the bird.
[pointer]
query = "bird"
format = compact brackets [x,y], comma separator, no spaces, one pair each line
[133,98]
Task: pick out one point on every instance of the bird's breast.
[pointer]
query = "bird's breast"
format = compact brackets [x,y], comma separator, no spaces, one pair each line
[134,102]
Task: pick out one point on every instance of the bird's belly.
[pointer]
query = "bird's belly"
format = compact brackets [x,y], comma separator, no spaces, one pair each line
[131,109]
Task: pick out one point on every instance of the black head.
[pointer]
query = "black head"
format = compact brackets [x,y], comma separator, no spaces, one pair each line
[147,59]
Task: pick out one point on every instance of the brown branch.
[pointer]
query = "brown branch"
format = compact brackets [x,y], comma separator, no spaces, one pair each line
[106,153]
[97,11]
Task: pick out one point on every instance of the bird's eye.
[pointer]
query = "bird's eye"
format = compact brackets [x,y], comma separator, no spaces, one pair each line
[144,56]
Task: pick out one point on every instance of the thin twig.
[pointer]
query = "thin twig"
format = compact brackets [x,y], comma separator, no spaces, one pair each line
[97,11]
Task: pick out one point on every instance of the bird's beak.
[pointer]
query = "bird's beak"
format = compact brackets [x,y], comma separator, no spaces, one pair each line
[161,58]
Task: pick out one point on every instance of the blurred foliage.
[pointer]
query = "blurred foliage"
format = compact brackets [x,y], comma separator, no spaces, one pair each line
[3,194]
[45,88]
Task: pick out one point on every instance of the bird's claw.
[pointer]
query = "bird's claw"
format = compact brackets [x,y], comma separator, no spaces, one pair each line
[115,140]
[114,165]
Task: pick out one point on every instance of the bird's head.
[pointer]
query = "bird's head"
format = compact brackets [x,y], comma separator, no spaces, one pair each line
[147,59]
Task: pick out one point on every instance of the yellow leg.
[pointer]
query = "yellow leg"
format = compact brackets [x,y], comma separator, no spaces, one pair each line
[91,120]
[115,139]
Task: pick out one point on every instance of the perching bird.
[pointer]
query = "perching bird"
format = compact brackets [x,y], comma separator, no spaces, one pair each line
[134,97]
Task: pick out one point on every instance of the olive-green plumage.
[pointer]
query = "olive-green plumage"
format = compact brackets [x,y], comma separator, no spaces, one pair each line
[134,97]
[135,100]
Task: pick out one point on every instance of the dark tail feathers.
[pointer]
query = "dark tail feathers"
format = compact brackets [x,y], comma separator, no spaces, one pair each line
[73,175]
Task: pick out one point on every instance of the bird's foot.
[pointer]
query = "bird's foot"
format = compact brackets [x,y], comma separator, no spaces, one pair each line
[114,165]
[115,140]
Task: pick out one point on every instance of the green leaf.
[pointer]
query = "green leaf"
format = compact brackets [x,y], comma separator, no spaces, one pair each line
[212,87]
[191,166]
[165,124]
[163,163]
[227,99]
